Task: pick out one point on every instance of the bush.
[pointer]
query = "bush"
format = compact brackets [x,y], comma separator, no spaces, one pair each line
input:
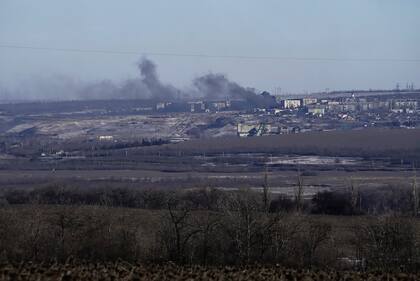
[332,203]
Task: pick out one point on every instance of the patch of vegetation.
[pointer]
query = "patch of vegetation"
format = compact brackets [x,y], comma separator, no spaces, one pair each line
[121,270]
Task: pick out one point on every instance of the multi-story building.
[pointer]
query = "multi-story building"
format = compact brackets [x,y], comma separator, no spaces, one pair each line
[197,106]
[309,101]
[291,103]
[316,109]
[217,105]
[405,104]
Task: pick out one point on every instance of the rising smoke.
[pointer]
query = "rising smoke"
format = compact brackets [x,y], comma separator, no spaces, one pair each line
[217,86]
[151,80]
[146,86]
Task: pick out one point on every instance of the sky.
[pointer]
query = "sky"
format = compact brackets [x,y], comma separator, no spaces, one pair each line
[273,45]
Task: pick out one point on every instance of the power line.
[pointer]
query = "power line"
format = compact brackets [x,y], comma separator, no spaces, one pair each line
[240,57]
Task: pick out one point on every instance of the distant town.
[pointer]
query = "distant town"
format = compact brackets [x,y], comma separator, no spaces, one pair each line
[178,120]
[347,110]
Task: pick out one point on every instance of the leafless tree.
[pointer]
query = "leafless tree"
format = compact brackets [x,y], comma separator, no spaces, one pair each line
[65,222]
[387,242]
[206,238]
[415,196]
[34,235]
[177,230]
[314,234]
[299,193]
[354,197]
[266,191]
[242,218]
[283,234]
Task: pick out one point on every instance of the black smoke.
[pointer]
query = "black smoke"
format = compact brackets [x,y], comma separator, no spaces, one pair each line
[218,86]
[151,81]
[146,85]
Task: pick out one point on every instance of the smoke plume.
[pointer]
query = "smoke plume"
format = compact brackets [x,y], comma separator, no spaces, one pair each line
[150,79]
[217,86]
[145,86]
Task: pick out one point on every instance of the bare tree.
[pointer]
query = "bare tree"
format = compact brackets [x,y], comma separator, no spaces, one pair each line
[415,193]
[354,197]
[283,234]
[299,193]
[266,191]
[176,229]
[313,236]
[387,242]
[35,235]
[206,238]
[242,219]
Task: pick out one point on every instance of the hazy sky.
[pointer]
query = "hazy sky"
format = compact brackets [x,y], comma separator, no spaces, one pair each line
[356,29]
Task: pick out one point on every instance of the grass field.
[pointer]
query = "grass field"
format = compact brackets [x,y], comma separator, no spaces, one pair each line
[278,180]
[367,142]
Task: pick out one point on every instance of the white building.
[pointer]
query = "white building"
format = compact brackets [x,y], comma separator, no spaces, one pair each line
[106,138]
[308,101]
[292,103]
[249,130]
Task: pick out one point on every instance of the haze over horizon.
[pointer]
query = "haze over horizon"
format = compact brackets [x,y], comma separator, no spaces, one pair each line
[297,46]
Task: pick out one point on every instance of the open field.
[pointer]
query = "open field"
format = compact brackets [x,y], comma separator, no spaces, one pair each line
[369,142]
[129,127]
[326,161]
[357,150]
[283,182]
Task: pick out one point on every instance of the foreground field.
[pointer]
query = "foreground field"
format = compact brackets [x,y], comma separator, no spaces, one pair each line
[225,235]
[126,271]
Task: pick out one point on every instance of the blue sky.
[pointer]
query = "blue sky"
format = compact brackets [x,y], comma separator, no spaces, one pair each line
[357,29]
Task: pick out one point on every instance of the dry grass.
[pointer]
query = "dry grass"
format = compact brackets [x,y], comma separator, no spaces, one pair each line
[367,142]
[125,271]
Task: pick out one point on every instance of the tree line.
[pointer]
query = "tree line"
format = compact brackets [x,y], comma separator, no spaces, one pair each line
[352,201]
[205,227]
